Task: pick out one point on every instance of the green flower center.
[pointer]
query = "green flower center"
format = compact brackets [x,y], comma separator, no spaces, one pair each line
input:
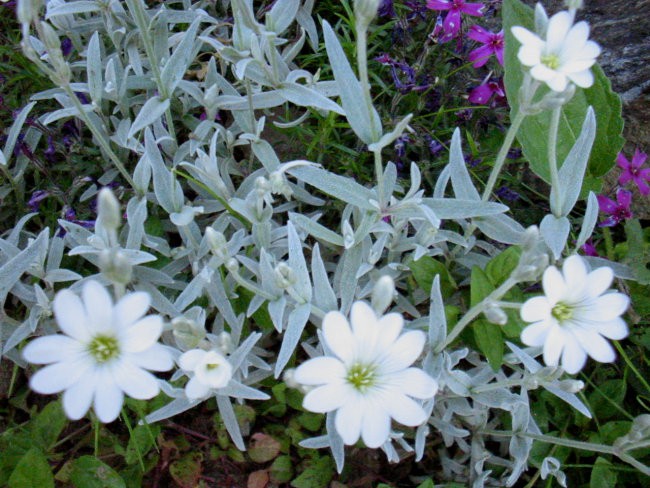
[361,376]
[551,61]
[211,366]
[562,312]
[104,348]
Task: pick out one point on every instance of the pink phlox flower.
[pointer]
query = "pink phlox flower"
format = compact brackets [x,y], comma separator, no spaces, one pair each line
[589,249]
[452,21]
[482,94]
[618,210]
[632,171]
[492,44]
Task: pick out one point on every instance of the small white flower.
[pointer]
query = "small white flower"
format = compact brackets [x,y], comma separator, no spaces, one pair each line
[104,353]
[367,380]
[575,316]
[566,54]
[211,370]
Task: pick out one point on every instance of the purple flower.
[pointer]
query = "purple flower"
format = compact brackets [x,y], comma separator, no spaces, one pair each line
[37,197]
[507,194]
[50,152]
[386,9]
[66,46]
[434,146]
[455,7]
[632,171]
[384,59]
[589,249]
[618,210]
[482,94]
[492,44]
[400,146]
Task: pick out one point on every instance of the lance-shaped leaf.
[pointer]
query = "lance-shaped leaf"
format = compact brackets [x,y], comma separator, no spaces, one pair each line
[94,69]
[179,61]
[12,270]
[589,220]
[296,323]
[461,181]
[279,18]
[14,131]
[151,111]
[297,263]
[555,232]
[363,119]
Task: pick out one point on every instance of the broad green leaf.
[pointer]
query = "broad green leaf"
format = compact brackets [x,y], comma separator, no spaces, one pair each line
[607,397]
[186,471]
[488,336]
[532,134]
[48,425]
[481,286]
[317,475]
[502,265]
[32,471]
[603,475]
[638,255]
[425,270]
[142,439]
[90,472]
[281,470]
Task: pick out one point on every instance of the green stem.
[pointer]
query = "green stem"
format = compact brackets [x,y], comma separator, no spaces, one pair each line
[125,417]
[585,446]
[503,153]
[609,243]
[556,202]
[475,311]
[630,364]
[379,171]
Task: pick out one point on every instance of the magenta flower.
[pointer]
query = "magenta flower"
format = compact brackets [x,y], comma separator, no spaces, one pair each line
[455,7]
[632,171]
[618,210]
[492,44]
[589,249]
[482,94]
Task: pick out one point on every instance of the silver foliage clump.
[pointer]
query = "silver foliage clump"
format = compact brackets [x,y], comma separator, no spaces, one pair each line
[248,223]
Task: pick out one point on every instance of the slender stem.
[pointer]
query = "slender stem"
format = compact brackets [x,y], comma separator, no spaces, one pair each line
[101,140]
[476,310]
[585,446]
[125,417]
[379,171]
[556,202]
[503,153]
[630,364]
[609,243]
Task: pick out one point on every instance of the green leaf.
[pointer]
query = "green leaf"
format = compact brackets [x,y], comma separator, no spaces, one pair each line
[425,270]
[602,476]
[502,265]
[186,471]
[481,286]
[48,425]
[427,484]
[638,255]
[32,471]
[317,475]
[142,439]
[281,471]
[90,472]
[606,397]
[533,132]
[489,339]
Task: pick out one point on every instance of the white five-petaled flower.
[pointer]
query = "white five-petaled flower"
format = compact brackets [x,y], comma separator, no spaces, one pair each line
[211,371]
[367,380]
[565,56]
[575,316]
[104,353]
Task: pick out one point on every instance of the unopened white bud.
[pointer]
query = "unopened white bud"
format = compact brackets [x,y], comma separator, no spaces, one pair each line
[232,265]
[115,266]
[108,210]
[225,344]
[571,386]
[187,333]
[217,242]
[383,294]
[495,314]
[284,275]
[574,4]
[289,377]
[365,11]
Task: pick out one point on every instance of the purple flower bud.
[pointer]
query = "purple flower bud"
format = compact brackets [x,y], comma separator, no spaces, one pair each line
[507,194]
[66,46]
[37,197]
[386,9]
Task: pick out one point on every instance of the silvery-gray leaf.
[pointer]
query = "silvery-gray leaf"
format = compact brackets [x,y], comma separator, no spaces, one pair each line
[176,406]
[68,8]
[335,442]
[14,131]
[94,69]
[55,254]
[306,21]
[295,325]
[236,389]
[363,120]
[218,296]
[136,215]
[179,61]
[572,172]
[280,17]
[387,139]
[528,361]
[13,269]
[320,442]
[569,398]
[266,154]
[14,235]
[193,289]
[152,110]
[237,358]
[455,208]
[313,228]
[306,97]
[230,421]
[555,232]
[295,48]
[390,179]
[276,311]
[589,220]
[347,271]
[460,178]
[61,275]
[343,188]
[448,428]
[501,228]
[437,320]
[3,159]
[621,271]
[22,332]
[324,295]
[168,192]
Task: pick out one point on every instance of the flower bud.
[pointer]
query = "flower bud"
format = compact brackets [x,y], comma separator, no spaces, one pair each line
[365,11]
[574,4]
[495,314]
[108,210]
[187,333]
[284,275]
[217,242]
[115,266]
[232,265]
[571,386]
[383,294]
[225,343]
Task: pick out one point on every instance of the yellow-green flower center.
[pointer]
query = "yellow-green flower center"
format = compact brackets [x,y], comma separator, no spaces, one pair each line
[104,348]
[551,61]
[212,366]
[562,312]
[361,376]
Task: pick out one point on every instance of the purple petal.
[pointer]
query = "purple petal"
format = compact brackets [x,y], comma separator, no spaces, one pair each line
[478,33]
[624,198]
[438,4]
[606,205]
[451,23]
[481,55]
[480,95]
[639,158]
[475,9]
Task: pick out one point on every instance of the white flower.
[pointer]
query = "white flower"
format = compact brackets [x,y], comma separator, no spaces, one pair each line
[575,315]
[566,54]
[367,380]
[211,371]
[104,353]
